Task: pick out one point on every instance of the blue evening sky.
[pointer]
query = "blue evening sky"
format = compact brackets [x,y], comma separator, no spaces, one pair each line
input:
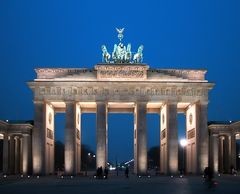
[183,34]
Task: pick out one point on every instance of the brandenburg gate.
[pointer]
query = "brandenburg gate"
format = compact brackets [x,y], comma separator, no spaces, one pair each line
[121,83]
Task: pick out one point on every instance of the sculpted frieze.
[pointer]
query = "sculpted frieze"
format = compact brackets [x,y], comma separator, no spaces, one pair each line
[125,91]
[115,72]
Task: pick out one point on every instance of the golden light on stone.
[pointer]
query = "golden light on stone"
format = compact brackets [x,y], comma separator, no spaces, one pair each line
[121,84]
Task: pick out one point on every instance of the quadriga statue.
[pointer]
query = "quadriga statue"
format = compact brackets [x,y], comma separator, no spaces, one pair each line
[138,57]
[105,55]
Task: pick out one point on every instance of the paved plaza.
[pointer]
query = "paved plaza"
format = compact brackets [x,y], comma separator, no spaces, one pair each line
[117,185]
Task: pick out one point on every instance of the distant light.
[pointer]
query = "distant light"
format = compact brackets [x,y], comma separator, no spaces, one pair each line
[5,176]
[219,175]
[149,176]
[139,176]
[183,142]
[230,121]
[61,177]
[171,176]
[112,168]
[129,161]
[89,154]
[28,176]
[37,177]
[21,175]
[71,177]
[6,120]
[94,155]
[95,176]
[181,176]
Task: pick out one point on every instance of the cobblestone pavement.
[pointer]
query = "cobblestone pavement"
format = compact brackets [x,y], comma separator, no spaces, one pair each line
[117,185]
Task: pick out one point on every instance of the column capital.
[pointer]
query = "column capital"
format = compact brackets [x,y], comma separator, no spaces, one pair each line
[172,103]
[102,102]
[70,102]
[5,133]
[142,101]
[17,136]
[222,137]
[169,103]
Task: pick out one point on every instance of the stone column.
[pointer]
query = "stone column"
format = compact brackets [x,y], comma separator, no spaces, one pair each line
[141,138]
[70,140]
[233,150]
[191,131]
[202,138]
[227,153]
[79,138]
[5,154]
[26,154]
[49,139]
[221,166]
[169,139]
[39,139]
[12,155]
[172,139]
[101,155]
[214,153]
[17,155]
[21,155]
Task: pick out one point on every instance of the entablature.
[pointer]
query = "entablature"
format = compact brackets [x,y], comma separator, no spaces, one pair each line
[120,72]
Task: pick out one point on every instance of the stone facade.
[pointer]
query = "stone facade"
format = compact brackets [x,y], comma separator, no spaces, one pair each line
[223,136]
[17,147]
[131,88]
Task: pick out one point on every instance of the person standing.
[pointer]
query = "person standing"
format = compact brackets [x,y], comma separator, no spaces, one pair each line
[126,171]
[106,172]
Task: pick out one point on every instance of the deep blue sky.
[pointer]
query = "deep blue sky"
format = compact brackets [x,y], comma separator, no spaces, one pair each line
[176,34]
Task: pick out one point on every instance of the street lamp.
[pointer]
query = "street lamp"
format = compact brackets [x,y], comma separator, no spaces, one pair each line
[183,143]
[88,158]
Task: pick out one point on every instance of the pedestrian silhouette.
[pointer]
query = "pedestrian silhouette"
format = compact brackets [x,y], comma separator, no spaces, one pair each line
[106,172]
[208,175]
[126,171]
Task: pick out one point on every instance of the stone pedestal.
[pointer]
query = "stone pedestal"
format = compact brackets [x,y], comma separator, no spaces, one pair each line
[101,151]
[140,150]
